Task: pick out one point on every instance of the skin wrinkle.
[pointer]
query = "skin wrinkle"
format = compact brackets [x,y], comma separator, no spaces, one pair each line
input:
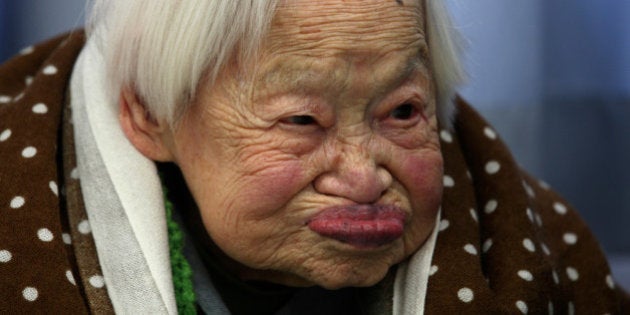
[255,177]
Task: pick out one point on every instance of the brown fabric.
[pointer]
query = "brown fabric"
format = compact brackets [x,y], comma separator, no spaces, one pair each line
[41,270]
[507,243]
[89,269]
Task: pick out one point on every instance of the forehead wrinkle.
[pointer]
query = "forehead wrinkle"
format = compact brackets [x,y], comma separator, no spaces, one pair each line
[331,78]
[321,28]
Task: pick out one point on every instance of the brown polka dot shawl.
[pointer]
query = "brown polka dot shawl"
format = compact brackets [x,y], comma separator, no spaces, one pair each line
[506,242]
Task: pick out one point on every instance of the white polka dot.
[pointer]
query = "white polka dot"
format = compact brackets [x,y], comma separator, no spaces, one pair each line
[4,99]
[53,187]
[30,294]
[28,80]
[74,174]
[45,235]
[543,185]
[29,152]
[18,97]
[571,308]
[570,238]
[84,227]
[555,277]
[487,245]
[468,175]
[5,256]
[550,308]
[610,282]
[70,277]
[492,167]
[473,214]
[5,135]
[522,306]
[446,136]
[40,108]
[17,202]
[491,205]
[470,248]
[525,275]
[489,133]
[560,208]
[538,220]
[27,50]
[545,249]
[97,281]
[573,274]
[50,70]
[465,295]
[530,215]
[529,245]
[433,270]
[448,181]
[444,224]
[67,239]
[529,190]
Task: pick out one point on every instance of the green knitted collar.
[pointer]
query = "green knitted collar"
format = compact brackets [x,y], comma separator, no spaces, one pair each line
[182,273]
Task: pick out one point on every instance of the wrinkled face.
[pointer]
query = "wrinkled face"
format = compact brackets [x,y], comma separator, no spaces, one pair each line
[325,167]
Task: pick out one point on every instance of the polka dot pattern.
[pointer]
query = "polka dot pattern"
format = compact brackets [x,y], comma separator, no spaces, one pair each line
[446,136]
[45,235]
[53,187]
[97,281]
[529,245]
[5,256]
[489,133]
[573,274]
[40,108]
[569,238]
[484,209]
[491,206]
[493,167]
[50,70]
[560,208]
[29,152]
[448,181]
[84,227]
[30,294]
[35,260]
[70,277]
[524,239]
[465,295]
[6,134]
[17,202]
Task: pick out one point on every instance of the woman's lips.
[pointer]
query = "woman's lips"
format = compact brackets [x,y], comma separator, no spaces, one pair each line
[363,226]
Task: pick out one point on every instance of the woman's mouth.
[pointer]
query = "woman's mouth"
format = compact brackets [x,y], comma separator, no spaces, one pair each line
[363,226]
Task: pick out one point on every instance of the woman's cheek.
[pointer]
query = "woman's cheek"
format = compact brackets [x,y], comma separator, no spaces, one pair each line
[422,175]
[271,188]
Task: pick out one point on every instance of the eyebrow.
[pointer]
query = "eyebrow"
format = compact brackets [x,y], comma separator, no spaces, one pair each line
[300,78]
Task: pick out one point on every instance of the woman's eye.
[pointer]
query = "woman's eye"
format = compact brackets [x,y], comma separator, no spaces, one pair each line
[302,120]
[403,112]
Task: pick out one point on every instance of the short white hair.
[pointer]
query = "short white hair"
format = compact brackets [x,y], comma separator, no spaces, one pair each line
[161,49]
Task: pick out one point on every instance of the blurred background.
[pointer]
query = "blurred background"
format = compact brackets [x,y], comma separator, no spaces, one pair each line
[553,77]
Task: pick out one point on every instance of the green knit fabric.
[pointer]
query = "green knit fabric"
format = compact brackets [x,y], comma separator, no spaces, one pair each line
[182,273]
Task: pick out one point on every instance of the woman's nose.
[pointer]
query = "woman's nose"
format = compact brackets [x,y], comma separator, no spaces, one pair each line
[354,176]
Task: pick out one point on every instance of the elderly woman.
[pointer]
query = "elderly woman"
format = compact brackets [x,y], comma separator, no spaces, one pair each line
[272,157]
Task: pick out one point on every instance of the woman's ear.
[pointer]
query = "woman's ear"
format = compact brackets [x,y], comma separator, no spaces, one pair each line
[149,136]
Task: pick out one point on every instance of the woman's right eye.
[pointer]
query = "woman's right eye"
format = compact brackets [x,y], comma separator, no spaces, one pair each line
[301,120]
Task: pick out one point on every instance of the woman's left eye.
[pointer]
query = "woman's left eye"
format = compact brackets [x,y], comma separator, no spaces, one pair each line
[403,112]
[303,120]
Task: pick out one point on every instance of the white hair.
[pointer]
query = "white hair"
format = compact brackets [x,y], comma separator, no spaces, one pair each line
[161,49]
